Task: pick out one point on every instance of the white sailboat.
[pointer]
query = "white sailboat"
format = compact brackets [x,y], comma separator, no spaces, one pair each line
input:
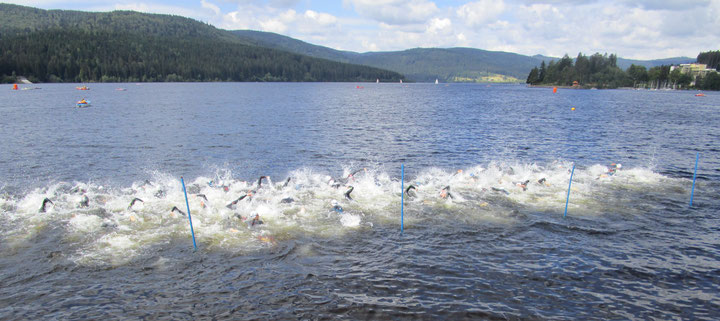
[377,81]
[436,81]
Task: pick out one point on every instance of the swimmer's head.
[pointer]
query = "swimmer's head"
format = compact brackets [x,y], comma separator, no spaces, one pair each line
[619,165]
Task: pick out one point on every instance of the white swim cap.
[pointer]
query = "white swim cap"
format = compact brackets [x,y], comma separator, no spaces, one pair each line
[619,165]
[334,203]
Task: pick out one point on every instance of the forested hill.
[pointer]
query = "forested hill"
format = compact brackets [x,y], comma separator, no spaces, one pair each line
[74,46]
[419,64]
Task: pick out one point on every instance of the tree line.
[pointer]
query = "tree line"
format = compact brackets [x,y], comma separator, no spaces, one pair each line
[75,55]
[601,71]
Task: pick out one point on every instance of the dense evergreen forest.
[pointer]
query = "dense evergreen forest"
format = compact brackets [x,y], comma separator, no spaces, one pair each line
[710,58]
[72,46]
[601,71]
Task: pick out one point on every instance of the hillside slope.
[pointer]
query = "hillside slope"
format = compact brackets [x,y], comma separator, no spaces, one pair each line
[74,46]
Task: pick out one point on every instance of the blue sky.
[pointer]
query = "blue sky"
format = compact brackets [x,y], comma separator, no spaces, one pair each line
[640,29]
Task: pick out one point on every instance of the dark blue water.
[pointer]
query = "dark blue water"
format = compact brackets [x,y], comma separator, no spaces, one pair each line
[630,248]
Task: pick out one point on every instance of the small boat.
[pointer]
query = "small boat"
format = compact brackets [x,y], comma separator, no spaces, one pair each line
[83,103]
[82,88]
[700,95]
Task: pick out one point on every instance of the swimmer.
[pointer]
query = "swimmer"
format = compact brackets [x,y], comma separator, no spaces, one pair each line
[287,200]
[146,182]
[134,201]
[500,190]
[260,181]
[85,201]
[256,220]
[336,206]
[610,171]
[523,185]
[347,193]
[410,191]
[224,187]
[203,197]
[445,192]
[44,203]
[233,203]
[351,176]
[175,209]
[287,181]
[542,181]
[332,182]
[159,194]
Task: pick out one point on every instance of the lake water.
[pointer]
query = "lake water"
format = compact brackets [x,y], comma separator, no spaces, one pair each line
[630,247]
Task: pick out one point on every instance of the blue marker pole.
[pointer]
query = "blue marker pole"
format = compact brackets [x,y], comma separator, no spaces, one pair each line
[697,158]
[402,197]
[568,196]
[188,209]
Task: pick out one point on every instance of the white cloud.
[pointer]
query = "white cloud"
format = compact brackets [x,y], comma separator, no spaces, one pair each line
[439,26]
[208,5]
[395,12]
[322,19]
[480,12]
[631,28]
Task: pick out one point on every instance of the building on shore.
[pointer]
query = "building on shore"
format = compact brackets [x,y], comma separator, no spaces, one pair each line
[694,70]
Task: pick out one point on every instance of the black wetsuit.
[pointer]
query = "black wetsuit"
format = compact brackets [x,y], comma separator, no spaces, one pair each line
[446,189]
[410,189]
[44,203]
[134,201]
[175,209]
[248,196]
[347,194]
[85,202]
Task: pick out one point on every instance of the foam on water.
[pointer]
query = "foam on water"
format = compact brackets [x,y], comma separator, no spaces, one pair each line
[111,232]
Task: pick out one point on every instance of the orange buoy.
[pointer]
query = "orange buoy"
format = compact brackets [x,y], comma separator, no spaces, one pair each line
[15,87]
[554,90]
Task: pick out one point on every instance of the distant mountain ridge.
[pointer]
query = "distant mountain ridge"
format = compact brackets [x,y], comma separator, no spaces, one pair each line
[428,64]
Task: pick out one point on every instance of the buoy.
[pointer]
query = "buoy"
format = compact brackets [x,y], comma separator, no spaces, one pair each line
[554,90]
[572,108]
[15,87]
